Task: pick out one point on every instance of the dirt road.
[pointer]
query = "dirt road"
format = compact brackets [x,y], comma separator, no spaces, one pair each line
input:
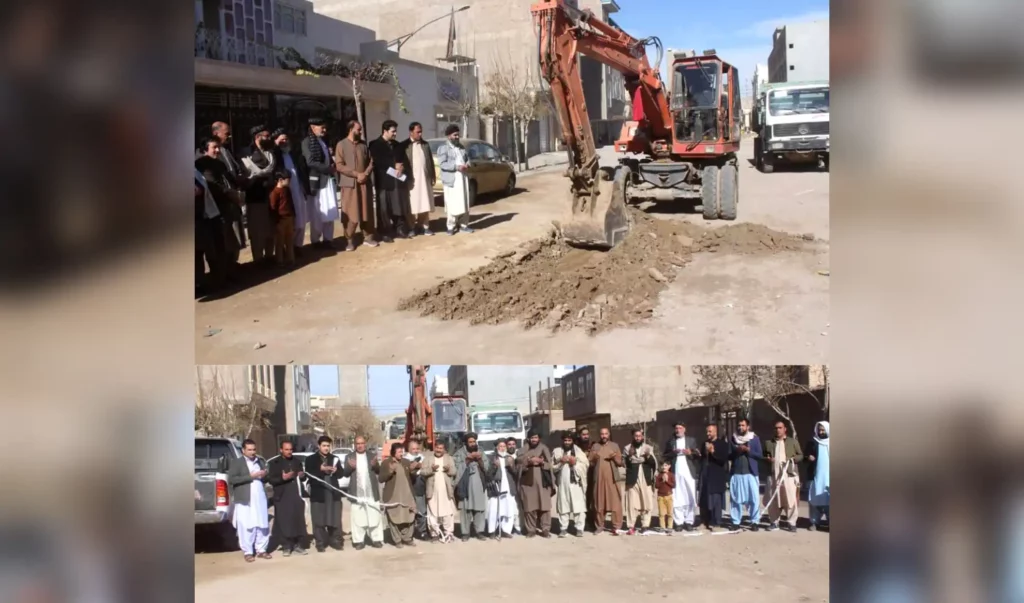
[763,566]
[718,309]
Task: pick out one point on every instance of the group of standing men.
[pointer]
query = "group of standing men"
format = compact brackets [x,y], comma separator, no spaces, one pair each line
[276,189]
[413,493]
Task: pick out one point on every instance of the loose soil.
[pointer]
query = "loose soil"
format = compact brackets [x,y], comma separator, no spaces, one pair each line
[548,284]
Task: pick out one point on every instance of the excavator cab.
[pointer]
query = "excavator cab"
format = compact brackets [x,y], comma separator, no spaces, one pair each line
[705,104]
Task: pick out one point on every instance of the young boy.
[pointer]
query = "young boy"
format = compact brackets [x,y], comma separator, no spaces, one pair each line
[283,213]
[664,484]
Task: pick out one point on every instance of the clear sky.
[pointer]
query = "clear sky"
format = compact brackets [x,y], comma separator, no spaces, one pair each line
[389,384]
[741,31]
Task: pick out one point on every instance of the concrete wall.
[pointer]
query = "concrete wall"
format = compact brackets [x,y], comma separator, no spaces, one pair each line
[486,384]
[631,393]
[800,52]
[297,399]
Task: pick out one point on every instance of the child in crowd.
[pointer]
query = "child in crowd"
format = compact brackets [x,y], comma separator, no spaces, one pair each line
[282,211]
[664,484]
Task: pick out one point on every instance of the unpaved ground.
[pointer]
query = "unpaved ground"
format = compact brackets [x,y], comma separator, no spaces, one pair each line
[731,308]
[549,284]
[766,566]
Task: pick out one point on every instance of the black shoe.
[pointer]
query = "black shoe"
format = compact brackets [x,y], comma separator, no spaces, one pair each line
[754,527]
[338,547]
[286,552]
[465,539]
[388,240]
[377,545]
[300,551]
[734,528]
[359,546]
[545,534]
[790,528]
[773,526]
[688,527]
[321,549]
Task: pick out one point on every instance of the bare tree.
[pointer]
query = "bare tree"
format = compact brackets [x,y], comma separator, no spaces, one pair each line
[739,386]
[352,71]
[345,423]
[460,94]
[221,410]
[645,409]
[514,95]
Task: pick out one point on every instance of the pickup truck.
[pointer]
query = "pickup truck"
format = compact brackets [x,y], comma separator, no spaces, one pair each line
[212,491]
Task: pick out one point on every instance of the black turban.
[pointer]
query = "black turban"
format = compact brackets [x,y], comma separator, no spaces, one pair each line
[451,129]
[316,121]
[468,435]
[257,129]
[276,133]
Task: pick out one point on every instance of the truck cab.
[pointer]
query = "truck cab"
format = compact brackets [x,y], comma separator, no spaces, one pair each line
[791,120]
[493,424]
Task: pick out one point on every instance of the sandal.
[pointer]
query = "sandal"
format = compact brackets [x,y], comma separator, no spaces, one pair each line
[249,559]
[265,556]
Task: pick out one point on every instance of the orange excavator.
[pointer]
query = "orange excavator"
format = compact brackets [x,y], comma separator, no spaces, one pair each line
[429,420]
[681,145]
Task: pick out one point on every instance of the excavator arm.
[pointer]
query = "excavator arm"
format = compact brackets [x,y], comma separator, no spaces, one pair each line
[419,424]
[598,212]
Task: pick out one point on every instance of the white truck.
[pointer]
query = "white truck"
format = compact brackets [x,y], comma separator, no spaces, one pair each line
[791,120]
[494,423]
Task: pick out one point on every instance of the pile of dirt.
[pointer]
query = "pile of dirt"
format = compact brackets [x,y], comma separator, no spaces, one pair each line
[549,284]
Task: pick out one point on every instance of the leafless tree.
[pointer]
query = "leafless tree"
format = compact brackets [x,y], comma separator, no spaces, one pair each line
[513,94]
[345,423]
[645,410]
[461,94]
[219,411]
[739,386]
[352,71]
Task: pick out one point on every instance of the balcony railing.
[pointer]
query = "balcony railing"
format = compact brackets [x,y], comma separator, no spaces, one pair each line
[212,44]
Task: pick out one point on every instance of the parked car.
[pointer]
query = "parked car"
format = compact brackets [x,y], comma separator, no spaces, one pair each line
[212,491]
[489,170]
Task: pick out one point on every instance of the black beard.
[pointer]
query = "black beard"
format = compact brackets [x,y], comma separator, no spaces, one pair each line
[266,145]
[472,448]
[566,446]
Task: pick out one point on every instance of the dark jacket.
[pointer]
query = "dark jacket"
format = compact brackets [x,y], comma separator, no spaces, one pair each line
[793,450]
[391,475]
[407,148]
[385,154]
[491,467]
[300,167]
[668,454]
[239,478]
[810,449]
[318,165]
[714,471]
[353,481]
[260,185]
[316,489]
[276,468]
[649,466]
[755,456]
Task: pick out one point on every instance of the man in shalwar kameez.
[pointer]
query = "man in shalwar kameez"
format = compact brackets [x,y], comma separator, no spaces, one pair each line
[470,488]
[401,509]
[322,210]
[606,459]
[245,475]
[571,469]
[783,455]
[744,484]
[683,456]
[324,496]
[284,472]
[421,177]
[818,494]
[641,466]
[502,508]
[536,486]
[453,161]
[419,492]
[367,519]
[438,471]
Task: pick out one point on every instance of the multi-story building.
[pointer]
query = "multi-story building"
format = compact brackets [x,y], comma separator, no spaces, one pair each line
[243,47]
[353,385]
[603,396]
[494,35]
[297,404]
[799,52]
[491,384]
[323,402]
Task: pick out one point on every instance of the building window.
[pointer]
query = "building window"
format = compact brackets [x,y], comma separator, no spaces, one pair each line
[792,67]
[590,382]
[289,19]
[790,45]
[579,384]
[568,389]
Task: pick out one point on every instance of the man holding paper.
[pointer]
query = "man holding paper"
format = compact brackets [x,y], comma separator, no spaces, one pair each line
[389,179]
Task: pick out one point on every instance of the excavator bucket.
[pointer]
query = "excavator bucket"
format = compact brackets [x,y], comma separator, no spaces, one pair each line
[597,218]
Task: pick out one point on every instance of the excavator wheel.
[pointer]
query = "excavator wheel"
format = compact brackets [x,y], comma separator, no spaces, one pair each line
[601,221]
[710,192]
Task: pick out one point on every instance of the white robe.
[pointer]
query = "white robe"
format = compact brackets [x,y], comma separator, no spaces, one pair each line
[502,508]
[327,198]
[684,495]
[366,519]
[250,520]
[456,197]
[421,195]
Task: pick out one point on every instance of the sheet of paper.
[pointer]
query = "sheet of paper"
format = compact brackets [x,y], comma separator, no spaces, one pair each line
[394,174]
